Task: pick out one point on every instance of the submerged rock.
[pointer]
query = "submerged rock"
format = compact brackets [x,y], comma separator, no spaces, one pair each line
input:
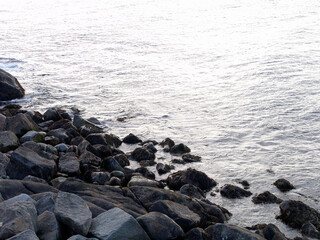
[283,185]
[10,88]
[179,149]
[266,197]
[231,191]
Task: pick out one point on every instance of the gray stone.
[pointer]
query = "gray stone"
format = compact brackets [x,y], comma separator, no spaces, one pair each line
[142,181]
[33,136]
[114,181]
[20,124]
[160,226]
[51,114]
[57,181]
[69,164]
[196,234]
[89,158]
[61,134]
[309,230]
[122,160]
[179,149]
[192,191]
[42,149]
[266,197]
[10,88]
[20,198]
[272,232]
[25,235]
[80,237]
[100,177]
[62,147]
[34,179]
[164,168]
[48,226]
[96,138]
[140,154]
[116,224]
[131,139]
[8,141]
[187,157]
[227,231]
[73,211]
[78,122]
[117,174]
[45,203]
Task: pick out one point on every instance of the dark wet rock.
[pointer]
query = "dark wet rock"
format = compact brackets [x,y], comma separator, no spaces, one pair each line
[78,122]
[116,224]
[147,163]
[86,129]
[61,134]
[52,140]
[76,140]
[117,174]
[181,214]
[100,177]
[72,211]
[296,214]
[20,124]
[309,230]
[26,162]
[113,140]
[159,226]
[33,136]
[25,235]
[86,146]
[10,88]
[69,164]
[150,147]
[51,114]
[167,142]
[89,158]
[46,203]
[145,172]
[96,138]
[196,234]
[114,181]
[142,181]
[8,141]
[131,139]
[227,231]
[49,228]
[103,151]
[34,179]
[179,149]
[266,197]
[192,191]
[272,232]
[231,191]
[283,185]
[122,160]
[190,158]
[62,123]
[190,176]
[36,116]
[164,168]
[178,161]
[245,184]
[140,154]
[110,164]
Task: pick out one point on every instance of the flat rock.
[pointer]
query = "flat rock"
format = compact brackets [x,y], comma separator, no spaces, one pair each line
[116,224]
[265,197]
[26,162]
[8,141]
[159,226]
[25,235]
[72,210]
[231,191]
[20,124]
[49,228]
[10,88]
[283,185]
[227,231]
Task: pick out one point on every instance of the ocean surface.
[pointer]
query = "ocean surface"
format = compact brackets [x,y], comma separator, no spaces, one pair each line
[238,81]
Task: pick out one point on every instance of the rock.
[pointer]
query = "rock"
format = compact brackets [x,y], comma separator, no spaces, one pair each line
[122,160]
[192,191]
[190,158]
[140,154]
[20,198]
[178,161]
[142,181]
[20,124]
[114,181]
[10,88]
[25,162]
[25,235]
[117,174]
[43,150]
[103,151]
[196,234]
[33,136]
[190,176]
[69,164]
[45,203]
[100,177]
[57,181]
[145,172]
[113,140]
[8,141]
[167,142]
[150,147]
[89,158]
[179,149]
[61,134]
[164,168]
[266,197]
[78,122]
[110,164]
[72,211]
[51,114]
[271,232]
[159,226]
[131,139]
[309,230]
[116,224]
[228,231]
[181,214]
[245,184]
[283,185]
[231,191]
[296,214]
[52,140]
[48,226]
[96,138]
[79,237]
[147,163]
[34,179]
[86,129]
[2,122]
[62,147]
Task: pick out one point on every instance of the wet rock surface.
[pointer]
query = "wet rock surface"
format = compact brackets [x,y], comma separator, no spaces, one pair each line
[10,88]
[231,191]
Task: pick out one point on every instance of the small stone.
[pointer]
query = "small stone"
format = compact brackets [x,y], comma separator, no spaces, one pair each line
[150,147]
[167,142]
[100,177]
[52,140]
[283,185]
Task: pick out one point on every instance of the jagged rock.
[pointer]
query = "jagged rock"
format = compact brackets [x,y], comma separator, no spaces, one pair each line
[192,191]
[283,185]
[271,232]
[190,158]
[196,234]
[10,88]
[46,203]
[42,149]
[25,162]
[48,226]
[25,235]
[110,164]
[61,134]
[227,231]
[167,142]
[122,160]
[116,224]
[51,114]
[69,164]
[72,211]
[309,230]
[179,149]
[181,214]
[142,181]
[33,136]
[266,197]
[159,226]
[20,124]
[231,191]
[131,139]
[190,176]
[8,141]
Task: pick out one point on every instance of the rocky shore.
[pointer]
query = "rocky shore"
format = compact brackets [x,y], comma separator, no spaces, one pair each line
[63,177]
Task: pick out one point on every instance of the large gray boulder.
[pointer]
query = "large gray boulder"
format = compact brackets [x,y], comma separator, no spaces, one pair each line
[49,228]
[26,162]
[25,235]
[20,124]
[8,141]
[72,210]
[116,224]
[10,88]
[160,226]
[227,231]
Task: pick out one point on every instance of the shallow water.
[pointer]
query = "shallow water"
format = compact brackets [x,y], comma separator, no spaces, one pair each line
[237,81]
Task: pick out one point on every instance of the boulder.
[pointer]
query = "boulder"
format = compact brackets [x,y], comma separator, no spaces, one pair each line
[160,227]
[309,230]
[2,122]
[140,154]
[10,88]
[46,203]
[72,211]
[266,197]
[100,177]
[86,129]
[113,140]
[114,181]
[145,172]
[228,231]
[181,214]
[20,124]
[190,176]
[25,235]
[8,141]
[196,234]
[150,147]
[33,136]
[122,160]
[116,224]
[80,237]
[110,164]
[231,191]
[61,134]
[52,114]
[34,179]
[147,163]
[78,122]
[192,191]
[103,151]
[179,149]
[283,185]
[49,228]
[69,164]
[142,181]
[89,158]
[96,138]
[62,147]
[131,139]
[26,162]
[272,232]
[167,142]
[164,168]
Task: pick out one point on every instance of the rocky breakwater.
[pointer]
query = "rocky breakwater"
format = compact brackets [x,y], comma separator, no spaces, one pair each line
[63,177]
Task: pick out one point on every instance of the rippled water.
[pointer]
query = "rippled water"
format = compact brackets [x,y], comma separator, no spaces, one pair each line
[236,80]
